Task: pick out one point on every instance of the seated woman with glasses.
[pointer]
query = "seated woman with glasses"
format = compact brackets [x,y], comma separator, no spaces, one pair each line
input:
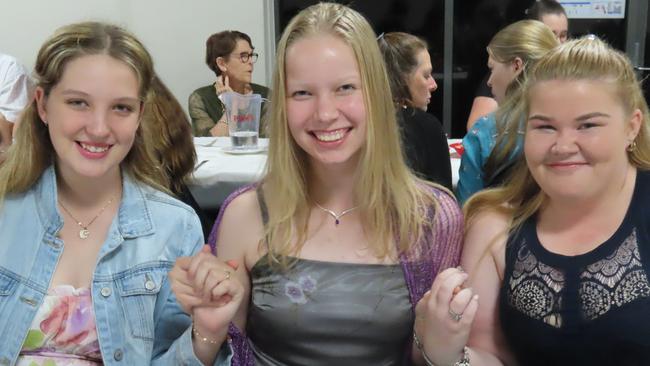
[230,55]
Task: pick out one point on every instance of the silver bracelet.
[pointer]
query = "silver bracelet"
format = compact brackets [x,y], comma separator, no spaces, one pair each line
[464,360]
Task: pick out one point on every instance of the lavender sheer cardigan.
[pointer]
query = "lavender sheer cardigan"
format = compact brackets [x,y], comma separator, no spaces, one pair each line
[439,249]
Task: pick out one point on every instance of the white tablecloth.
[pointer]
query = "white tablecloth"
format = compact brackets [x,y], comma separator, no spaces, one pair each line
[223,172]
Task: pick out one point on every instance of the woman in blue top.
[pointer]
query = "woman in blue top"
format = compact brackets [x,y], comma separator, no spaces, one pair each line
[511,52]
[87,235]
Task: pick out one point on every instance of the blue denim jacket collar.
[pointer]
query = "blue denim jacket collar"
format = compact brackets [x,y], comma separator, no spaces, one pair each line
[134,218]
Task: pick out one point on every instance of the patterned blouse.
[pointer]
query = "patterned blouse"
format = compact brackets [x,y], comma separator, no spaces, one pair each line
[63,332]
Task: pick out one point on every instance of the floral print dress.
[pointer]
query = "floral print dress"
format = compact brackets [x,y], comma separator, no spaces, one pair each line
[63,333]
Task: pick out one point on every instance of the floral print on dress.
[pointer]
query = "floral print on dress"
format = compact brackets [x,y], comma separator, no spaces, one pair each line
[297,291]
[63,332]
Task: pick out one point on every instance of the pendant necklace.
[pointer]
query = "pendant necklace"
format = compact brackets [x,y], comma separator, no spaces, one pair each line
[84,232]
[337,217]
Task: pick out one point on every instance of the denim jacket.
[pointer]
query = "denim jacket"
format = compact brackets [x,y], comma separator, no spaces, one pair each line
[138,319]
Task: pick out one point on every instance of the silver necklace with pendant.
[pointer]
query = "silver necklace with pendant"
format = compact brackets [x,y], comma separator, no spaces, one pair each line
[84,232]
[337,217]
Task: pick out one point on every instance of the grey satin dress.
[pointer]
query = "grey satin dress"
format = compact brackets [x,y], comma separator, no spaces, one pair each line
[327,313]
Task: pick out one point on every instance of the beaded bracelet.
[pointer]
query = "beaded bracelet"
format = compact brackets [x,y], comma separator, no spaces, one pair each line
[464,361]
[201,338]
[418,344]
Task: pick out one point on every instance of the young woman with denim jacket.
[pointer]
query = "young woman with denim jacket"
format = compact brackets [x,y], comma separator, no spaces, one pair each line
[87,235]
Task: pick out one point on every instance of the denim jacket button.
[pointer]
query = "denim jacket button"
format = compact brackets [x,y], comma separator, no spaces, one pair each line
[150,285]
[106,291]
[118,354]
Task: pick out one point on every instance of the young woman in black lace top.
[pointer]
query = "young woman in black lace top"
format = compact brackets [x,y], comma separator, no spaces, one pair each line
[560,255]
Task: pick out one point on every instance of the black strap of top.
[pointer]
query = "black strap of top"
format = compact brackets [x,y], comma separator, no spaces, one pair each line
[260,200]
[263,210]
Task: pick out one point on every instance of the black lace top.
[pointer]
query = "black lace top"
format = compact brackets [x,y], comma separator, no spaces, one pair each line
[589,309]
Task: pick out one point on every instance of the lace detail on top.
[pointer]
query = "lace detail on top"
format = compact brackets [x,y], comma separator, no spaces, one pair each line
[63,332]
[537,290]
[614,281]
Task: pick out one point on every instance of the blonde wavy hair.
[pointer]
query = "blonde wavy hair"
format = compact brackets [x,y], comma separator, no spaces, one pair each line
[393,202]
[528,40]
[587,58]
[32,151]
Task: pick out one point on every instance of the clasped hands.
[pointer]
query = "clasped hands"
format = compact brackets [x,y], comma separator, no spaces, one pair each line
[444,316]
[207,288]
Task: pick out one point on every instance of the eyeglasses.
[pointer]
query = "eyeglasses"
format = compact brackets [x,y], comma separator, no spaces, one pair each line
[244,57]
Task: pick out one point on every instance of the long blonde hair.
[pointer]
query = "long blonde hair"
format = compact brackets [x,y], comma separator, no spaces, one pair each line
[393,202]
[586,58]
[32,151]
[528,40]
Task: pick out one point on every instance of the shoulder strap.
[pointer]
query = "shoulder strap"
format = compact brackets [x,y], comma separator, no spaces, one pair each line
[260,200]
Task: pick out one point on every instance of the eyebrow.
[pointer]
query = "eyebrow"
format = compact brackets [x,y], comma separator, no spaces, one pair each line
[578,119]
[73,92]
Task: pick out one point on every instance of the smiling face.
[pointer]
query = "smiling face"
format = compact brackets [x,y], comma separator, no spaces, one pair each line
[421,82]
[233,66]
[559,24]
[92,115]
[325,109]
[501,75]
[576,138]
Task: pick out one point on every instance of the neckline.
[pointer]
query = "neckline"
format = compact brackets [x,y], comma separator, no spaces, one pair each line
[68,290]
[600,251]
[263,262]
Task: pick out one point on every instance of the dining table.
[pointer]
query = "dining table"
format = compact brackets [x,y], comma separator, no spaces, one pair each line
[220,169]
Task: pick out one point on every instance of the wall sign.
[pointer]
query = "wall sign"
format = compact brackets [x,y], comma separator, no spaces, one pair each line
[599,9]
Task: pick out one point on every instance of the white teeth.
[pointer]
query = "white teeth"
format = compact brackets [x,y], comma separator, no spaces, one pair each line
[94,149]
[330,136]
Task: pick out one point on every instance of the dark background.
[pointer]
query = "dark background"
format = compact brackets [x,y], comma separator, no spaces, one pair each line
[475,22]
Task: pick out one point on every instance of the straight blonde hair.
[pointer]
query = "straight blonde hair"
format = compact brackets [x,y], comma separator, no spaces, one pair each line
[394,203]
[528,40]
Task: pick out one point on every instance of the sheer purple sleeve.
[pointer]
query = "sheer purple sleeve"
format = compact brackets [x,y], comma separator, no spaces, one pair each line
[439,248]
[242,352]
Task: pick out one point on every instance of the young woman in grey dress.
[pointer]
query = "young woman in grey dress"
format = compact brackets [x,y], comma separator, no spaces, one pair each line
[339,243]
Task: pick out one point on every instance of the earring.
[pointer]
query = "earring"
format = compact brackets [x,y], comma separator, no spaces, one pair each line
[632,146]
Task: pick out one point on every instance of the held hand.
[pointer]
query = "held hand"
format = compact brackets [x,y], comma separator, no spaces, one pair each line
[221,293]
[444,317]
[204,281]
[222,85]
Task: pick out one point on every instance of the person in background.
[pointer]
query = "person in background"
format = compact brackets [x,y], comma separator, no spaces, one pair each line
[549,12]
[230,55]
[494,142]
[87,234]
[15,93]
[341,240]
[408,64]
[560,255]
[169,133]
